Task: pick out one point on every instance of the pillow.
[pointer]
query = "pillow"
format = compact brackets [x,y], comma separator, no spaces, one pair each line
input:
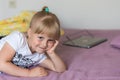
[116,42]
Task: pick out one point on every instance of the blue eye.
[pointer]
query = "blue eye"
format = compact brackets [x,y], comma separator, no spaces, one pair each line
[41,38]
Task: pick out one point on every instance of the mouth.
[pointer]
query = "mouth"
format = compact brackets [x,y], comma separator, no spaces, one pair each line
[41,49]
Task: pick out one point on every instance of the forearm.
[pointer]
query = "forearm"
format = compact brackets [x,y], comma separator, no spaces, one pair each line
[12,69]
[58,63]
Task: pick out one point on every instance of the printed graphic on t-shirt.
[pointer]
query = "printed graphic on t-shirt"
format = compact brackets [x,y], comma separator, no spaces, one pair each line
[22,61]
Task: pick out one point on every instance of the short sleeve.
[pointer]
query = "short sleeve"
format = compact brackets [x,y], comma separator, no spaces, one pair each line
[15,39]
[42,57]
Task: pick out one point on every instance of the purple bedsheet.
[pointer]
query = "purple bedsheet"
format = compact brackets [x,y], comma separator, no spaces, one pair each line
[101,62]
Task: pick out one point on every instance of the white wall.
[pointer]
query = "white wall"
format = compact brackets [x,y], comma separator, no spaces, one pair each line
[90,14]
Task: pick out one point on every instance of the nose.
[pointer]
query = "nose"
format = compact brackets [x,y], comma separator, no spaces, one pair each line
[44,44]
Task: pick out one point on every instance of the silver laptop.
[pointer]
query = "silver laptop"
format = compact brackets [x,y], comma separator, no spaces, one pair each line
[84,41]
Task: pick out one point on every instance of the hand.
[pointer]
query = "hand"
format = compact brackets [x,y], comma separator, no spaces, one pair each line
[51,50]
[38,72]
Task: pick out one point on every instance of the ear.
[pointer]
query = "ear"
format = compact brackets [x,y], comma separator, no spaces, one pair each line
[29,32]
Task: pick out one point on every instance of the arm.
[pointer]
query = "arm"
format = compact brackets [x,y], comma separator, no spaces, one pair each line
[6,55]
[54,62]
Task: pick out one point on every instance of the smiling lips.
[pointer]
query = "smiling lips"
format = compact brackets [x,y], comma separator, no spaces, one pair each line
[41,48]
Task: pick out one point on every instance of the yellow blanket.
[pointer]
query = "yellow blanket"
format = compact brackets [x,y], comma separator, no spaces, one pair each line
[20,23]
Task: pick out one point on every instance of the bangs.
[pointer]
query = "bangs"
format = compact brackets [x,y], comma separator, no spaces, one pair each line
[46,25]
[51,31]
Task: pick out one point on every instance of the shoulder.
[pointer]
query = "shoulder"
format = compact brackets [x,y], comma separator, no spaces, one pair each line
[16,39]
[16,34]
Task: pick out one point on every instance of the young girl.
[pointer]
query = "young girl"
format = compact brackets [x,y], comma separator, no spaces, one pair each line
[19,54]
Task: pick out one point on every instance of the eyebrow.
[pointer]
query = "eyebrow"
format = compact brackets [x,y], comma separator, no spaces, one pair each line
[49,38]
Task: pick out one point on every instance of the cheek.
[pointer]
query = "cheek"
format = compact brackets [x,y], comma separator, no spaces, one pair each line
[50,45]
[36,42]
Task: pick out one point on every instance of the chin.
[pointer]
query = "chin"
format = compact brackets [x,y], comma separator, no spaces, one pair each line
[40,51]
[43,51]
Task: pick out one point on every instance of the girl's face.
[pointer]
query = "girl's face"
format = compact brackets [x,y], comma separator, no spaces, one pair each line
[40,42]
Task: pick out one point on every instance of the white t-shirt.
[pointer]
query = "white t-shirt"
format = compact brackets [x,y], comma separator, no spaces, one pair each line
[23,57]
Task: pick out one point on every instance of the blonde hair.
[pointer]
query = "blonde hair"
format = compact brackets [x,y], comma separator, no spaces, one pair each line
[46,22]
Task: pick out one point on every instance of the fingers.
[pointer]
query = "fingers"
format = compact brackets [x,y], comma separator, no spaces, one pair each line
[56,43]
[38,72]
[52,49]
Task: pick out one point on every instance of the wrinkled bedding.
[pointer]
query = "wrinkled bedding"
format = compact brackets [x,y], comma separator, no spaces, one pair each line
[101,62]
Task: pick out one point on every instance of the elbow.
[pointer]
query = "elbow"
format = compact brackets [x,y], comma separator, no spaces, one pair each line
[61,70]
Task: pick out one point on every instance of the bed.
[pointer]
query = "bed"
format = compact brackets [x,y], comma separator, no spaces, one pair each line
[101,62]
